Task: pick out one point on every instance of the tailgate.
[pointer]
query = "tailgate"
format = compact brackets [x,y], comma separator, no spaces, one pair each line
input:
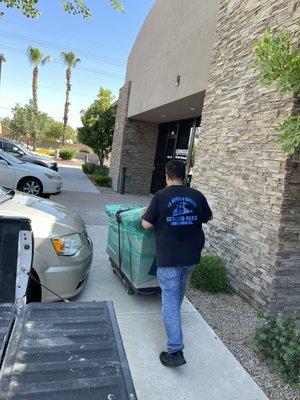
[66,351]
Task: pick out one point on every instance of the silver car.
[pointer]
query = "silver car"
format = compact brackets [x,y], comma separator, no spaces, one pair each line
[63,250]
[18,149]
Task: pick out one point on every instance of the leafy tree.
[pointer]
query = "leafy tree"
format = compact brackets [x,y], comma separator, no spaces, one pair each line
[71,134]
[98,125]
[289,134]
[22,124]
[53,131]
[71,61]
[5,122]
[279,62]
[29,7]
[36,58]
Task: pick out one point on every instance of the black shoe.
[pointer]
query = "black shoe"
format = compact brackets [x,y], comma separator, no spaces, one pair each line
[172,359]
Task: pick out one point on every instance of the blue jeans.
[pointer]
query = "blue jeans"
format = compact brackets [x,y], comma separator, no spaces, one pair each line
[172,282]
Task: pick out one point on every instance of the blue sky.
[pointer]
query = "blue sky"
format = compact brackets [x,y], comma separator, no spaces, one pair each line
[102,44]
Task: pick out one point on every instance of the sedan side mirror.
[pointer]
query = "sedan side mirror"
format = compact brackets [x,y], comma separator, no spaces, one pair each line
[18,152]
[3,163]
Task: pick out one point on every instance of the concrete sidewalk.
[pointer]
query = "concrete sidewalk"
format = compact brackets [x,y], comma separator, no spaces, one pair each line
[211,373]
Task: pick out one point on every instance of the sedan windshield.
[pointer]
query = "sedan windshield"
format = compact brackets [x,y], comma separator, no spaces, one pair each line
[24,148]
[9,158]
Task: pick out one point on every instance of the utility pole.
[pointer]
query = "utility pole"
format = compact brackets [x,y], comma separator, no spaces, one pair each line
[2,59]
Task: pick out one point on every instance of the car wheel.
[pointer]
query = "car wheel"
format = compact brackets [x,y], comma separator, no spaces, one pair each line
[31,186]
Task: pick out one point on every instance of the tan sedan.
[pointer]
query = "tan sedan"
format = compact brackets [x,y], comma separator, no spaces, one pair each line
[63,250]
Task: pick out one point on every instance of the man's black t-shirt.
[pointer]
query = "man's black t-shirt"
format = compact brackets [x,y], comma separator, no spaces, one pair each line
[178,213]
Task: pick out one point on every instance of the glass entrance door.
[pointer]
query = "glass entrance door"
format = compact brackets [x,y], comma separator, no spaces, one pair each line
[175,142]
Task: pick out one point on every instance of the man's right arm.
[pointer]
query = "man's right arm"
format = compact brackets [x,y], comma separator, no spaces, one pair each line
[150,216]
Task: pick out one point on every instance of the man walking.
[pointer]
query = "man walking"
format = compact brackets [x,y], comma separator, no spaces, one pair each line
[177,213]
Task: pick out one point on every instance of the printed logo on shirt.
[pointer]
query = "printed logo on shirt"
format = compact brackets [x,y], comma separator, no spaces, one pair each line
[183,211]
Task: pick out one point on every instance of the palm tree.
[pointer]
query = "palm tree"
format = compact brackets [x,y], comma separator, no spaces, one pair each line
[71,61]
[36,58]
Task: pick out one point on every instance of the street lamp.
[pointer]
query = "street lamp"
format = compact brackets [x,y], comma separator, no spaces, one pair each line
[2,59]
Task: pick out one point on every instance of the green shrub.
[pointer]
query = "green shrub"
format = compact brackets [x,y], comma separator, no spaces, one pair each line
[210,275]
[66,153]
[90,168]
[103,170]
[278,339]
[101,180]
[51,153]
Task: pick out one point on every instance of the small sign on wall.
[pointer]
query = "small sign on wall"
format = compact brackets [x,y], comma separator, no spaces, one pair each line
[181,154]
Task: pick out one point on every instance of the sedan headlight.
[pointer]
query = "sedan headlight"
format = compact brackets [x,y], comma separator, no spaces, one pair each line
[67,245]
[49,176]
[52,176]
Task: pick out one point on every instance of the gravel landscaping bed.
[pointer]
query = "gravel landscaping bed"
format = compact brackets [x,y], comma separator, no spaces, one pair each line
[234,321]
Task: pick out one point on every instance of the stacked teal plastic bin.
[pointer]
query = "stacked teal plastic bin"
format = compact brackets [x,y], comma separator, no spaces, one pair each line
[137,247]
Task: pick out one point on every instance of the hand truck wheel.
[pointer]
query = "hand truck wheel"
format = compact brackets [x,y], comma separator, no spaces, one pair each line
[129,291]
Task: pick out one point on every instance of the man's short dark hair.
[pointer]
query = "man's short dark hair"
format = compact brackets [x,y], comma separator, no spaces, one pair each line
[175,170]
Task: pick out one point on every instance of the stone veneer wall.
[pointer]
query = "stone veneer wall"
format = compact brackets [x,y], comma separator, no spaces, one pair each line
[253,189]
[134,147]
[286,283]
[117,146]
